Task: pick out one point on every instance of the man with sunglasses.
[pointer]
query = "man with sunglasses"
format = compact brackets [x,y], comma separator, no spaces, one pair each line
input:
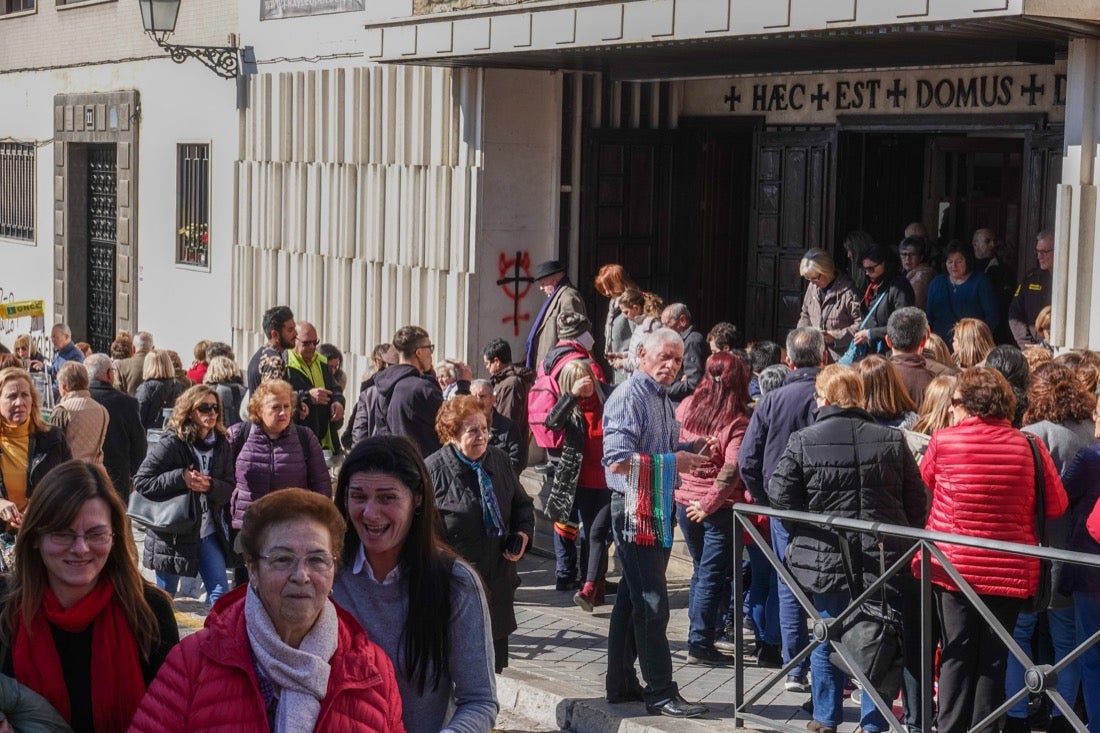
[1032,294]
[309,375]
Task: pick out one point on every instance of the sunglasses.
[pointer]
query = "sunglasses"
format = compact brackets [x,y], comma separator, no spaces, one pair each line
[206,408]
[314,342]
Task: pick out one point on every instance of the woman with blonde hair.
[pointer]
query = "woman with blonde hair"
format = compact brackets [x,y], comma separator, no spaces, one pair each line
[937,350]
[25,351]
[885,395]
[193,458]
[158,390]
[637,307]
[79,626]
[224,376]
[580,474]
[831,303]
[971,342]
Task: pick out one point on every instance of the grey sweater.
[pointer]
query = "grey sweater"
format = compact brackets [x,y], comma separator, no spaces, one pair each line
[465,700]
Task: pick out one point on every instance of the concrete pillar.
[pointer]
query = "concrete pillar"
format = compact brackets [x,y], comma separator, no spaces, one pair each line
[1075,306]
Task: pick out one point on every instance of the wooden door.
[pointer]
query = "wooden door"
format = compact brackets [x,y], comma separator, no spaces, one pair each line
[1043,157]
[792,211]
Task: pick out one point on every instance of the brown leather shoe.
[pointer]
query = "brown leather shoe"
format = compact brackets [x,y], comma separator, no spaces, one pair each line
[815,727]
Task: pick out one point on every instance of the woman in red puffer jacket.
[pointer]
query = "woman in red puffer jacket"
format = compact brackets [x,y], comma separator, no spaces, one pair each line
[982,476]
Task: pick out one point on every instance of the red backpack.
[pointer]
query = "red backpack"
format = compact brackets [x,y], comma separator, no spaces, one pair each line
[541,399]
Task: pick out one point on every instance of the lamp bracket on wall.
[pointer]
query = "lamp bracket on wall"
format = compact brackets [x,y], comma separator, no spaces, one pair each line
[224,61]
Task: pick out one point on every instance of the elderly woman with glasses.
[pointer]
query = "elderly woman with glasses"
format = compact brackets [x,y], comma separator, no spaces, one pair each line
[831,303]
[913,251]
[278,654]
[194,458]
[79,626]
[488,517]
[982,475]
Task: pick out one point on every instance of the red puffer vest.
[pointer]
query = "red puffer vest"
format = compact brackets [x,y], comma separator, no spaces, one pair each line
[209,682]
[982,477]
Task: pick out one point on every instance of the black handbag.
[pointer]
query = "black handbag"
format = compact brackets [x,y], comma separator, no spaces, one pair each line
[1041,600]
[177,515]
[872,635]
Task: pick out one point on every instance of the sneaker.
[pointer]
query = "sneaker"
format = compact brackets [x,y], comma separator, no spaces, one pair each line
[857,696]
[797,683]
[728,642]
[708,655]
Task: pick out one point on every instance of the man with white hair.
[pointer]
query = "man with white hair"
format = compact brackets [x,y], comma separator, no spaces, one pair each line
[643,458]
[82,419]
[124,445]
[64,350]
[678,318]
[503,433]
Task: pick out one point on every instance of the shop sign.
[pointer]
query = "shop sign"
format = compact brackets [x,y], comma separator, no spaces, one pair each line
[820,98]
[271,9]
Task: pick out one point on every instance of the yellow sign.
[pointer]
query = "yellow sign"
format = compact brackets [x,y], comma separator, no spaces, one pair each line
[24,309]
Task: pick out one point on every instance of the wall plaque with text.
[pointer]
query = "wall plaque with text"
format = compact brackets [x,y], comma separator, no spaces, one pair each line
[272,9]
[427,7]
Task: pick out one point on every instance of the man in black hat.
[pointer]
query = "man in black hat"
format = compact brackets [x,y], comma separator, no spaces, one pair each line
[561,297]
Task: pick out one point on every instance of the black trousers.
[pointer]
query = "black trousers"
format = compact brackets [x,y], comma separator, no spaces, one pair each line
[972,664]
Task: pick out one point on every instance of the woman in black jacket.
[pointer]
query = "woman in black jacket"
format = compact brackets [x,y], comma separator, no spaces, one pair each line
[193,456]
[158,390]
[844,465]
[489,518]
[888,287]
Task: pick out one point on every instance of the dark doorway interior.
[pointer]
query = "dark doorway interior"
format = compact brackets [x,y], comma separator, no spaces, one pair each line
[92,243]
[672,208]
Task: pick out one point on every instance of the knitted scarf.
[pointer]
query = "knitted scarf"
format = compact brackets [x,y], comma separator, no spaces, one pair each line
[490,509]
[300,676]
[117,682]
[649,490]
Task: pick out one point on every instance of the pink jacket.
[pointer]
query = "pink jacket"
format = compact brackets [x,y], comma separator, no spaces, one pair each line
[209,682]
[982,477]
[701,486]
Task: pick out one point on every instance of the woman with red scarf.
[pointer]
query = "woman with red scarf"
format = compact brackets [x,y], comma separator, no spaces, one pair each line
[887,290]
[78,625]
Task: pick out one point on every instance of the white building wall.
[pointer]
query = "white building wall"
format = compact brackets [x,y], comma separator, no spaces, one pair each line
[178,103]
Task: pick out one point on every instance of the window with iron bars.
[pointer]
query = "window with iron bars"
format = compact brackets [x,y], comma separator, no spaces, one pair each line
[193,204]
[17,186]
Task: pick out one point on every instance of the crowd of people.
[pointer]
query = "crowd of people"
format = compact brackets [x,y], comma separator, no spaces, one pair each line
[384,599]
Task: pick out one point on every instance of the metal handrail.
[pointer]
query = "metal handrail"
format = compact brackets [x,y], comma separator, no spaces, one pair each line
[1038,678]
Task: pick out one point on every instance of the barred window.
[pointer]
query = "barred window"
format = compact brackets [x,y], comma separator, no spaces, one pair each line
[193,204]
[17,191]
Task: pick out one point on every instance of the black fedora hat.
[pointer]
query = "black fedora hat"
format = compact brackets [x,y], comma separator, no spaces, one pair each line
[548,268]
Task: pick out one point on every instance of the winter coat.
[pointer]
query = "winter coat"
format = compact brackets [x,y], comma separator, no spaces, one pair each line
[566,299]
[1082,484]
[153,396]
[982,476]
[411,400]
[696,352]
[845,465]
[161,477]
[129,372]
[319,419]
[582,437]
[899,294]
[917,373]
[779,413]
[264,464]
[209,682]
[231,395]
[837,313]
[458,496]
[504,434]
[45,450]
[920,277]
[27,711]
[510,386]
[700,485]
[125,446]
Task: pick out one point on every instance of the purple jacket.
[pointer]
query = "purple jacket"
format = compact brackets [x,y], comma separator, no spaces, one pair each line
[268,464]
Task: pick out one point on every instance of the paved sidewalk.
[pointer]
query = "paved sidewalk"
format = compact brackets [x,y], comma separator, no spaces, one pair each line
[558,660]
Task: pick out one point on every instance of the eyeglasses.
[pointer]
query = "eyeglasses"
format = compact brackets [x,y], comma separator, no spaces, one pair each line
[98,538]
[429,347]
[285,562]
[1044,251]
[907,255]
[956,401]
[312,342]
[206,407]
[872,268]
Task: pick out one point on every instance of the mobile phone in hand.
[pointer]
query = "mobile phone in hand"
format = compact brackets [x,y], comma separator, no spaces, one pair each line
[514,544]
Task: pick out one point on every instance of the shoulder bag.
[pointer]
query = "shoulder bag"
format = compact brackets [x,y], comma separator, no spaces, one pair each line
[1042,597]
[872,635]
[856,351]
[177,515]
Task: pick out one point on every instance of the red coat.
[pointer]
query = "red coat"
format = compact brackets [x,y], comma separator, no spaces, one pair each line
[982,477]
[209,682]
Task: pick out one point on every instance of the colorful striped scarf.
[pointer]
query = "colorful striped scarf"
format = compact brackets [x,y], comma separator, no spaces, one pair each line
[650,485]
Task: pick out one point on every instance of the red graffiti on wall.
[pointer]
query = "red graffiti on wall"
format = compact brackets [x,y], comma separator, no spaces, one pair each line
[520,267]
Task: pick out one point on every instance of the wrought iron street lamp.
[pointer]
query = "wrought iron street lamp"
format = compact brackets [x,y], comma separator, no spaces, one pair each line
[159,19]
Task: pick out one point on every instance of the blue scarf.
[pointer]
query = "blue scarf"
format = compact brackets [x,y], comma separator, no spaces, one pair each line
[490,509]
[532,346]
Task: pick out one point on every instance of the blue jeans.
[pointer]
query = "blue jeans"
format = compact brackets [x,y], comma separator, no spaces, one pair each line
[565,551]
[1086,607]
[639,619]
[792,619]
[1063,632]
[827,682]
[211,568]
[764,598]
[710,543]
